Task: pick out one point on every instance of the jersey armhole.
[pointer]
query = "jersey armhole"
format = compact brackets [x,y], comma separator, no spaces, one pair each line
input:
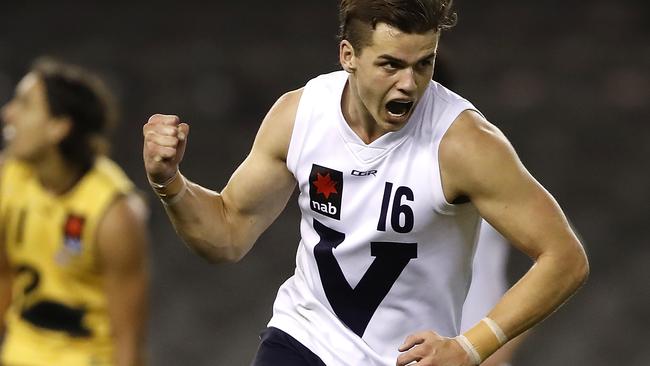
[441,205]
[300,127]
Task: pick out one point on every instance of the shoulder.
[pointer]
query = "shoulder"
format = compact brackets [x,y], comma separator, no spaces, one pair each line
[127,210]
[275,132]
[110,173]
[471,134]
[14,166]
[13,173]
[122,230]
[122,237]
[472,150]
[287,104]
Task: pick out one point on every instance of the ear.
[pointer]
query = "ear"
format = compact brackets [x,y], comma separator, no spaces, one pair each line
[347,56]
[60,128]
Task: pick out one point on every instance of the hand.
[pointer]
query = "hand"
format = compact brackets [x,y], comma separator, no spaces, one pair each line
[164,145]
[430,349]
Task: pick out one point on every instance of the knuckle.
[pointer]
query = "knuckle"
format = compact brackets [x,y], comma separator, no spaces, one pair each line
[168,152]
[154,117]
[168,141]
[401,360]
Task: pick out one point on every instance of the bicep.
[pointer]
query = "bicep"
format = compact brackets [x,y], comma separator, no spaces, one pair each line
[505,193]
[259,189]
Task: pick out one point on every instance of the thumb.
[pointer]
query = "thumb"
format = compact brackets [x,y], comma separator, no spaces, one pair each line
[183,132]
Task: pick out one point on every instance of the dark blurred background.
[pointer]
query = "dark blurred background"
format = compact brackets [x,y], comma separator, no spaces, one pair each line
[567,81]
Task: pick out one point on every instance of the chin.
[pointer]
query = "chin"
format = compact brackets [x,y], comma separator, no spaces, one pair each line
[392,125]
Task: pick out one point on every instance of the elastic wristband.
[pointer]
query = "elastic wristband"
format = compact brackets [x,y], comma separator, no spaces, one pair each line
[168,201]
[161,186]
[496,329]
[469,348]
[484,339]
[162,190]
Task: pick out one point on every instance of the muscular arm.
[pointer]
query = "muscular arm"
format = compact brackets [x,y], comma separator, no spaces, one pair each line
[224,226]
[122,242]
[479,163]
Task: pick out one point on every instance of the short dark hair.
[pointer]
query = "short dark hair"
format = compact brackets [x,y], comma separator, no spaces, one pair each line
[358,17]
[78,94]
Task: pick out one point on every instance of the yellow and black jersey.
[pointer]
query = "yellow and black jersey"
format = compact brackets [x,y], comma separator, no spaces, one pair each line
[58,315]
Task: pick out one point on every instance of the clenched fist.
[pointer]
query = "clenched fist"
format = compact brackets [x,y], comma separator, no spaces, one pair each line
[165,138]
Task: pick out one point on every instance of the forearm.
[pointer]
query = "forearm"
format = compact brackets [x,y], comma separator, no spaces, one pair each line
[548,284]
[555,276]
[504,355]
[202,221]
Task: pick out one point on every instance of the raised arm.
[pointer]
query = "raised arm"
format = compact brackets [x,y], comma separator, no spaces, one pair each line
[122,242]
[224,226]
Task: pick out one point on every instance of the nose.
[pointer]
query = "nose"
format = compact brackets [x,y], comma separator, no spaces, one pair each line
[406,82]
[4,113]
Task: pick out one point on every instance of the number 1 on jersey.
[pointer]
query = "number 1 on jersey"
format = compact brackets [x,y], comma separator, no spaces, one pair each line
[398,210]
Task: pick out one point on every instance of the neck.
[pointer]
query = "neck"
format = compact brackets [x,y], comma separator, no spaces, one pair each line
[357,116]
[56,175]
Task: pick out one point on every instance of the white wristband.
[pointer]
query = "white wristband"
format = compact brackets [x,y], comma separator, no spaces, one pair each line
[175,198]
[496,329]
[161,189]
[469,348]
[159,186]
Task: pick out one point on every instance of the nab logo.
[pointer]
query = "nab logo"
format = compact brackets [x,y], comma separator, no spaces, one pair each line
[325,191]
[72,245]
[364,174]
[72,231]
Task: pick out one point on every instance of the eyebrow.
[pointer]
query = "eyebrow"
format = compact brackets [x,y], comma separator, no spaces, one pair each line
[400,61]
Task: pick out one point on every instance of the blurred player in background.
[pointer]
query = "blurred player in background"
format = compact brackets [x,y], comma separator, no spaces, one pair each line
[73,240]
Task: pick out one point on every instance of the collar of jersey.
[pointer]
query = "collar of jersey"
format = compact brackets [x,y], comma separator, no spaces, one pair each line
[377,149]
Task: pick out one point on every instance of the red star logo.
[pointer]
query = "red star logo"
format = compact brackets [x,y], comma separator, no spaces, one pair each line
[74,226]
[325,185]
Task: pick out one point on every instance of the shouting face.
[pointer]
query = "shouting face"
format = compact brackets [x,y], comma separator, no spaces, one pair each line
[387,77]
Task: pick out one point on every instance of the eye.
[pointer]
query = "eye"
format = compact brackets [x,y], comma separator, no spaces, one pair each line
[426,63]
[390,65]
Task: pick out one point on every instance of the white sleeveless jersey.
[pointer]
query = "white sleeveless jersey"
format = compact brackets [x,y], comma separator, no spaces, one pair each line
[382,254]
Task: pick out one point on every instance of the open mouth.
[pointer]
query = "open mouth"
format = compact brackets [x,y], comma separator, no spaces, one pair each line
[8,133]
[399,108]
